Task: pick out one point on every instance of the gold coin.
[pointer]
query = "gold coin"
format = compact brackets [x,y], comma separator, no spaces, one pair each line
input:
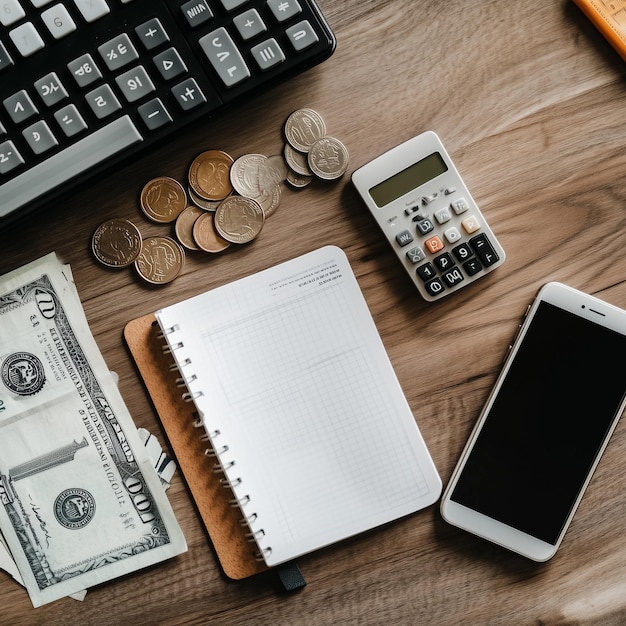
[160,261]
[184,226]
[163,199]
[297,161]
[239,219]
[328,158]
[209,175]
[205,235]
[303,128]
[116,243]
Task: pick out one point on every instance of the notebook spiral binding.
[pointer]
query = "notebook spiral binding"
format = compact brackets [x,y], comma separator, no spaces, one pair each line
[222,466]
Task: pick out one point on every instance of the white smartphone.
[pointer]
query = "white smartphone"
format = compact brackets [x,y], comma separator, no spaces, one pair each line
[544,426]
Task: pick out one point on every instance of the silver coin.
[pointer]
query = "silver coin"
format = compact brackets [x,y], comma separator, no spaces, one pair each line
[245,174]
[303,128]
[328,158]
[297,161]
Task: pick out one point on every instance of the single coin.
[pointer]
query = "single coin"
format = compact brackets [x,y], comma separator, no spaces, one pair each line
[239,219]
[163,199]
[184,226]
[328,158]
[205,235]
[246,174]
[303,128]
[209,175]
[298,181]
[297,161]
[116,243]
[160,261]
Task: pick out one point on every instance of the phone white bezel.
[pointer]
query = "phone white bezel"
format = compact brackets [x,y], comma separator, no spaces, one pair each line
[587,307]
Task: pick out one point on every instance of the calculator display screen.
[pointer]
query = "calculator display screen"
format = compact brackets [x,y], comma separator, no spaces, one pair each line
[408,179]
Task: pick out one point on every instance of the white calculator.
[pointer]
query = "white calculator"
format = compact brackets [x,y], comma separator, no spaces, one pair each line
[423,207]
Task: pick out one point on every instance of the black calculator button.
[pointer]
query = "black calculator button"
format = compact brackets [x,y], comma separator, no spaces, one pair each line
[452,276]
[472,267]
[426,271]
[485,251]
[444,262]
[463,252]
[424,226]
[434,287]
[196,12]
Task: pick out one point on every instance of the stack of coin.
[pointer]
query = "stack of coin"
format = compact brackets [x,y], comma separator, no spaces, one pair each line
[227,201]
[310,152]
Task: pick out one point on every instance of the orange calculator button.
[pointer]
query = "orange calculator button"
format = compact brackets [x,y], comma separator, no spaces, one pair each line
[434,244]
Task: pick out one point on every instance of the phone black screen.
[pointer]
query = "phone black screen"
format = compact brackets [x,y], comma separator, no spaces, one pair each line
[547,424]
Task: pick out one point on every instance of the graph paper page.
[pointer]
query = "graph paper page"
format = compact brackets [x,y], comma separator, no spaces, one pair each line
[300,399]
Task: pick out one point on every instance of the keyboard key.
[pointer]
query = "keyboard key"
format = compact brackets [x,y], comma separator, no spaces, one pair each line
[224,57]
[50,89]
[39,137]
[10,158]
[20,107]
[63,166]
[267,54]
[102,101]
[118,52]
[58,21]
[70,121]
[84,70]
[135,84]
[26,39]
[92,10]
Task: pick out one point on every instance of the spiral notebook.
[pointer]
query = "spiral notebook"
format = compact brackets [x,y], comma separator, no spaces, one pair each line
[299,400]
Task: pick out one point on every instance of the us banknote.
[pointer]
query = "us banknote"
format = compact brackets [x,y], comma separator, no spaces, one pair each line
[81,502]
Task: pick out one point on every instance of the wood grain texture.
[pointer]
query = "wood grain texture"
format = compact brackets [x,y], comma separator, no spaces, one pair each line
[529,100]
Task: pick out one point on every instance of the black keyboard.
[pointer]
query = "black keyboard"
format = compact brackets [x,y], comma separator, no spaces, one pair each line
[85,84]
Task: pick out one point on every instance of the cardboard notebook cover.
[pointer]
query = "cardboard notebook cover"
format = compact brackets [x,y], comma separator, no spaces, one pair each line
[221,519]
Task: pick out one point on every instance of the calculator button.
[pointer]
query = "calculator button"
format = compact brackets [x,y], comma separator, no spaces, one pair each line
[452,235]
[444,262]
[443,215]
[188,94]
[452,277]
[284,10]
[135,84]
[404,238]
[58,21]
[69,120]
[424,226]
[267,54]
[39,137]
[196,12]
[470,224]
[463,252]
[26,39]
[92,10]
[301,36]
[434,287]
[118,52]
[472,267]
[50,89]
[415,255]
[459,206]
[154,114]
[434,244]
[249,24]
[152,34]
[224,57]
[102,101]
[5,58]
[84,70]
[426,271]
[20,107]
[484,249]
[10,158]
[12,12]
[169,64]
[231,5]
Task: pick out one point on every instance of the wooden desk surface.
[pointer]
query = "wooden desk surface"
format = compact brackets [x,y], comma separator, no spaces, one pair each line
[529,100]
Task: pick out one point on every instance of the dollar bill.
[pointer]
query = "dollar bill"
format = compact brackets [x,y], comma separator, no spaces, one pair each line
[81,502]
